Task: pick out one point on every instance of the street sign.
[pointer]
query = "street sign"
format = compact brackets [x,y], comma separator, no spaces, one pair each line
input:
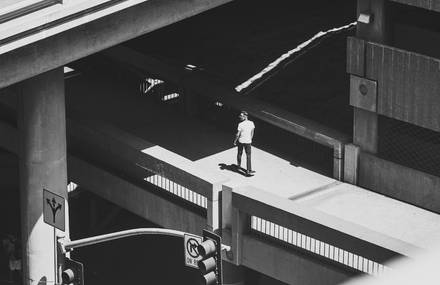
[53,210]
[190,244]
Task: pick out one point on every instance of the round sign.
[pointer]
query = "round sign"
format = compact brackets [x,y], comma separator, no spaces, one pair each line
[191,247]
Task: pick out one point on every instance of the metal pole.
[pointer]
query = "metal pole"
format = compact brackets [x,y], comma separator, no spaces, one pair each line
[69,245]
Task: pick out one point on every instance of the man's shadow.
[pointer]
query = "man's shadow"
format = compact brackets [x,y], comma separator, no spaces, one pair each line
[234,168]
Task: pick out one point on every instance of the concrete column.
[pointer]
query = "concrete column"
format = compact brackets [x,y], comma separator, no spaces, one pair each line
[365,122]
[42,164]
[378,29]
[233,274]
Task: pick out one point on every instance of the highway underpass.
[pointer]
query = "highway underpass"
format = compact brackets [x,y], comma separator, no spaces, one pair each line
[166,167]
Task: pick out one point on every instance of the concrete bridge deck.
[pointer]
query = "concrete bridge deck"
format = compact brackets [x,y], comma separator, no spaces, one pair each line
[122,106]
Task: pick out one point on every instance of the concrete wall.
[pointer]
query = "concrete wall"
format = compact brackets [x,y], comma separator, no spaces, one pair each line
[399,182]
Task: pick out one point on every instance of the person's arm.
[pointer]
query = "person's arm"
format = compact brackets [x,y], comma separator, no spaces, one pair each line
[237,136]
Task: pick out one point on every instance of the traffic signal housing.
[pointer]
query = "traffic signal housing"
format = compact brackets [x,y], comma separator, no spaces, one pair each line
[73,273]
[211,263]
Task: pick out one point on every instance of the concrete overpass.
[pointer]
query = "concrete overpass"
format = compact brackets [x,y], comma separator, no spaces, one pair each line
[314,224]
[53,36]
[328,231]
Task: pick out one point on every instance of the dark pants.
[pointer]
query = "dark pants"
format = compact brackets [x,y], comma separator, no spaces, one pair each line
[247,149]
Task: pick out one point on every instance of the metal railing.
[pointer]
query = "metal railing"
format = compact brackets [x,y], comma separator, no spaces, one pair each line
[178,190]
[318,247]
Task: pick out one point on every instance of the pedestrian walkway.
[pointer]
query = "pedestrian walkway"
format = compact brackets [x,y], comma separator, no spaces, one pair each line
[273,173]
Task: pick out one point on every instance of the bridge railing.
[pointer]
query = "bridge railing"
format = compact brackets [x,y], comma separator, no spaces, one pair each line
[259,215]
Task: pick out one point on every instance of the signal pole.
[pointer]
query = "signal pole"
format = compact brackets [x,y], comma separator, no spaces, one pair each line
[72,272]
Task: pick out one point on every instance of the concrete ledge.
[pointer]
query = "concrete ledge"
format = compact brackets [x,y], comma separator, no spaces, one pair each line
[337,232]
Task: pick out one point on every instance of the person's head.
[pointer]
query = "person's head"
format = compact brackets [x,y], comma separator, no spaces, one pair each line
[243,115]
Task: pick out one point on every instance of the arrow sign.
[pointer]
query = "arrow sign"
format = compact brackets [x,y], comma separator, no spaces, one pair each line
[54,210]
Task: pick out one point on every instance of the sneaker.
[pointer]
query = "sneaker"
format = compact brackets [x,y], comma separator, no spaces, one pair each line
[250,172]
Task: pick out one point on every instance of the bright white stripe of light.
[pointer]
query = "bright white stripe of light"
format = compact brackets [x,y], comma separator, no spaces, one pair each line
[286,55]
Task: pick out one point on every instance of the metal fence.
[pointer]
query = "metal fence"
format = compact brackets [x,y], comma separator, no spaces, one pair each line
[318,247]
[178,190]
[409,145]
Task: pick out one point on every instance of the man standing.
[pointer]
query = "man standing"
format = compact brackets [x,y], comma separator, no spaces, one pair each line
[245,133]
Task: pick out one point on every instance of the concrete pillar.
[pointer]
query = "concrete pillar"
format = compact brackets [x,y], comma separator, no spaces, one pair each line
[233,274]
[365,133]
[378,29]
[351,163]
[42,164]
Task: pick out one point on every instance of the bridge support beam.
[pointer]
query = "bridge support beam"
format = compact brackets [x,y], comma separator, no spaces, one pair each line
[365,133]
[42,165]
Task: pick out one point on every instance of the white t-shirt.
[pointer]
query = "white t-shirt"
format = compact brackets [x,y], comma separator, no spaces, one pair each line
[245,128]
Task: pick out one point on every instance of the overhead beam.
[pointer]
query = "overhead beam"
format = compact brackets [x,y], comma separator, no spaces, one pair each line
[60,49]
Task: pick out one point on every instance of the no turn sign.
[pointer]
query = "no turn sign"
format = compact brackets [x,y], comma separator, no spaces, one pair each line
[192,256]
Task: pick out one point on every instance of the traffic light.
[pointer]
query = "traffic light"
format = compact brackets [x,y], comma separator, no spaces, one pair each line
[211,263]
[73,272]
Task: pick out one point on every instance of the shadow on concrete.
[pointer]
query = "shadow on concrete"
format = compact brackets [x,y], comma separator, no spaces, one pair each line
[234,168]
